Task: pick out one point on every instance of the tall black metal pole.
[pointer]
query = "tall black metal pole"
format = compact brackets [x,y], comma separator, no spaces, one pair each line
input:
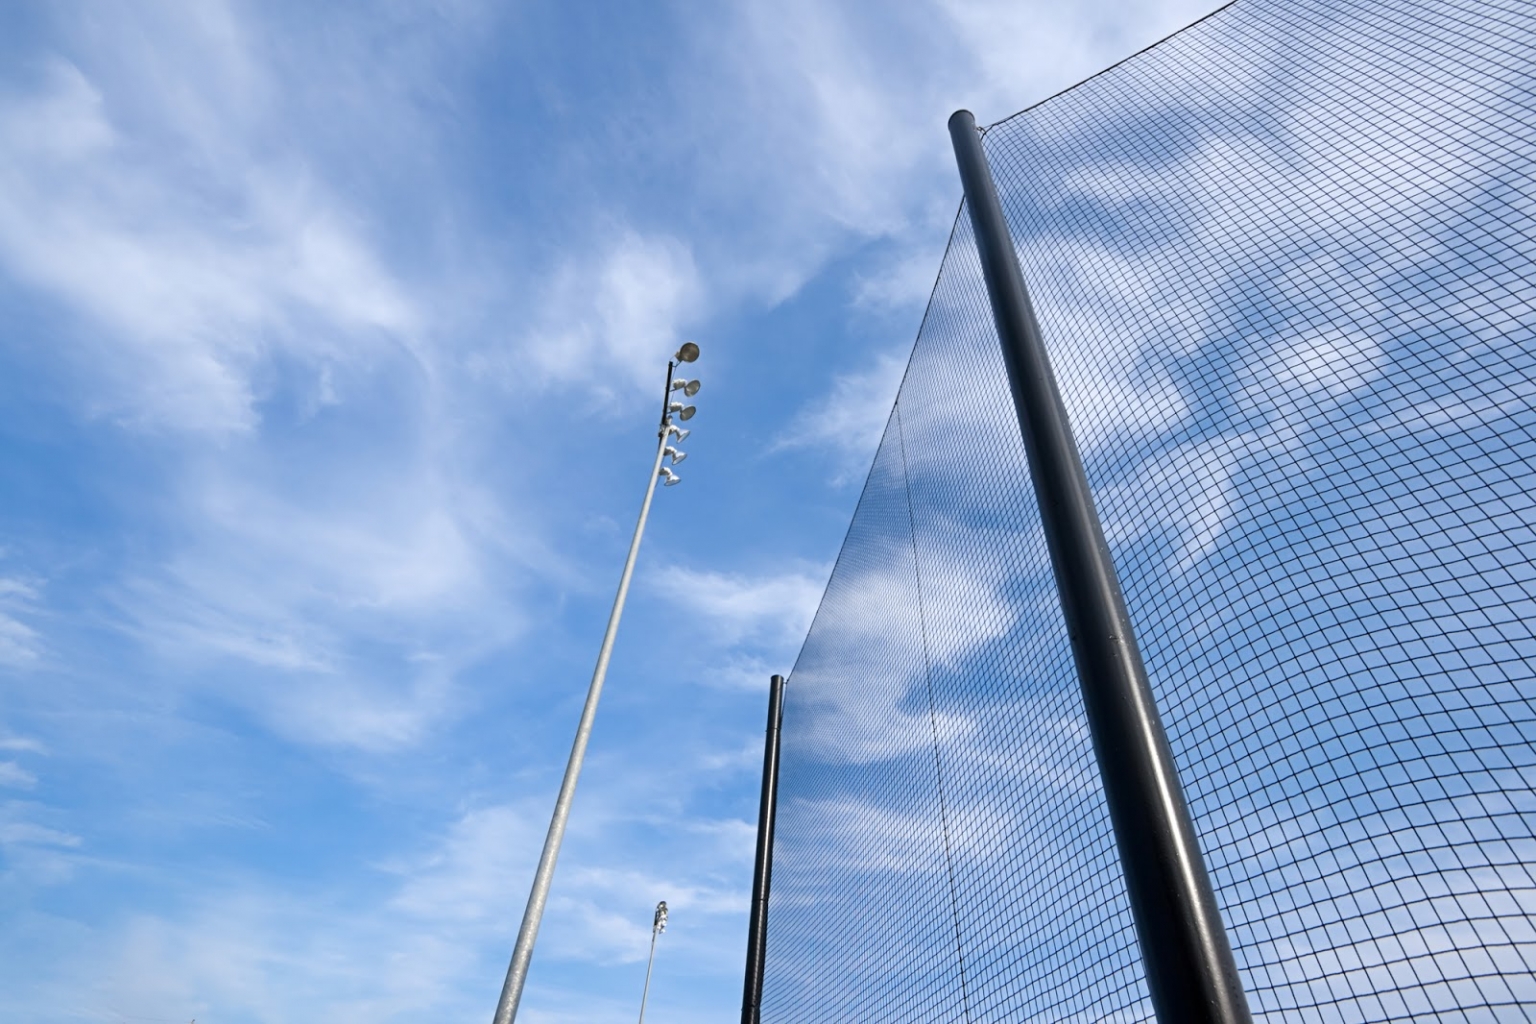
[762,872]
[1188,961]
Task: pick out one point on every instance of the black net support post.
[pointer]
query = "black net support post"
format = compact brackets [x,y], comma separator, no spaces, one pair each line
[762,871]
[1191,975]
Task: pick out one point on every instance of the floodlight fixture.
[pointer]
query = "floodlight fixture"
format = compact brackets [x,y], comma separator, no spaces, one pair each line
[687,387]
[687,413]
[658,925]
[669,476]
[677,456]
[681,433]
[688,353]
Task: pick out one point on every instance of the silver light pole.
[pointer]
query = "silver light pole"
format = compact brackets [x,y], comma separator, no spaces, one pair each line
[522,952]
[658,925]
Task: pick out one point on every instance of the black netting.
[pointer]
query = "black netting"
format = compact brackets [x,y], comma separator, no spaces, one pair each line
[1285,262]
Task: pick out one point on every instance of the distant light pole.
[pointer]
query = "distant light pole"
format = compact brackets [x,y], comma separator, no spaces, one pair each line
[522,952]
[658,925]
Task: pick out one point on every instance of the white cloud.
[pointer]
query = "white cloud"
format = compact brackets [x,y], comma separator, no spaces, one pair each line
[773,609]
[900,284]
[194,260]
[16,833]
[15,776]
[341,600]
[746,672]
[830,116]
[600,924]
[248,949]
[480,869]
[158,192]
[425,934]
[1334,362]
[1201,471]
[264,954]
[1023,52]
[890,641]
[35,850]
[850,419]
[606,320]
[20,644]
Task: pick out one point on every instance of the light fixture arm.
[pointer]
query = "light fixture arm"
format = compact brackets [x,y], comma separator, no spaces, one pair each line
[666,397]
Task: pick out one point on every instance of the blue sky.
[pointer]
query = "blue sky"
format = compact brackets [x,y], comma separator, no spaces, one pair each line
[331,345]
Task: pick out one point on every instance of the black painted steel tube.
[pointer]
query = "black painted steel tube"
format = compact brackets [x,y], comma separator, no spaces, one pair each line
[1188,961]
[762,872]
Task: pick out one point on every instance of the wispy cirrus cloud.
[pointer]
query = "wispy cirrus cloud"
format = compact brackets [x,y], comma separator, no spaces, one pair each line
[15,776]
[184,309]
[772,609]
[626,309]
[831,115]
[226,295]
[604,319]
[20,644]
[849,420]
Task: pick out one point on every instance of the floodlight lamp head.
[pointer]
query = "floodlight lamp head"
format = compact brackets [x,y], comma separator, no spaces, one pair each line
[686,412]
[677,456]
[668,477]
[690,387]
[681,433]
[688,353]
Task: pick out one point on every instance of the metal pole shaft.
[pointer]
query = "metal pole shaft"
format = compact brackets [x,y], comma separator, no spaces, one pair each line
[522,952]
[762,871]
[649,963]
[1191,975]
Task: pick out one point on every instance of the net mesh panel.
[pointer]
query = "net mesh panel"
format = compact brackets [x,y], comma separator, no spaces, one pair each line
[1285,263]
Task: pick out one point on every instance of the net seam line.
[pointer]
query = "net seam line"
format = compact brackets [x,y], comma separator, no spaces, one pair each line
[933,722]
[869,476]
